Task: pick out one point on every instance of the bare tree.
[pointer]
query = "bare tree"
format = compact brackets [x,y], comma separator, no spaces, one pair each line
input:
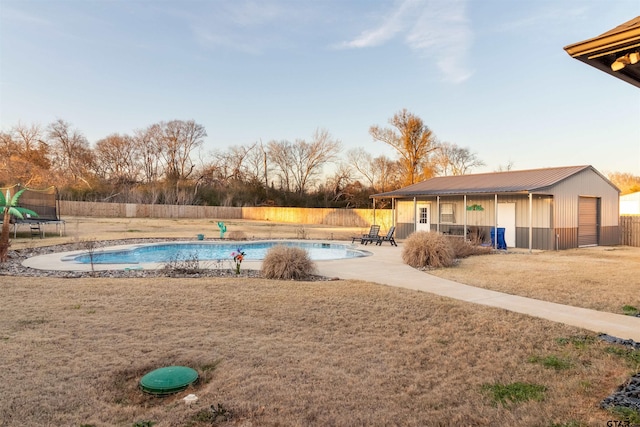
[310,157]
[338,184]
[230,164]
[176,142]
[413,141]
[280,154]
[453,160]
[505,168]
[257,164]
[145,144]
[380,173]
[71,153]
[118,159]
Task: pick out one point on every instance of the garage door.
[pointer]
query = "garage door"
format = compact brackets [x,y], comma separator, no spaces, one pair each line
[588,221]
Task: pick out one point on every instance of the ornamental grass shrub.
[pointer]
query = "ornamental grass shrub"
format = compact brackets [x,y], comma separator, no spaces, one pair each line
[464,248]
[287,263]
[424,249]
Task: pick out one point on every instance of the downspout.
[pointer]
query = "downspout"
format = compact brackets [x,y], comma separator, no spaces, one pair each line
[530,222]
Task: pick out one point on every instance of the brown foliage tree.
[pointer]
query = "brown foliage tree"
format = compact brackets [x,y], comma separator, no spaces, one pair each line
[24,149]
[413,141]
[626,182]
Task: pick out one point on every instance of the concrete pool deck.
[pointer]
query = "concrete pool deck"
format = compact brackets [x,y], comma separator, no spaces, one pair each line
[385,267]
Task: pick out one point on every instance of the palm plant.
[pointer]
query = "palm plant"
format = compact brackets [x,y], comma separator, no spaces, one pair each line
[9,206]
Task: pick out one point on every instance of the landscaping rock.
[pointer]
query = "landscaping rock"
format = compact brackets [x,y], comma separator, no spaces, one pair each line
[614,340]
[627,395]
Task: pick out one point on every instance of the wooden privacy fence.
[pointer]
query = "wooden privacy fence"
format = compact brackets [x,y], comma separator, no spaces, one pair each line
[630,230]
[629,224]
[326,216]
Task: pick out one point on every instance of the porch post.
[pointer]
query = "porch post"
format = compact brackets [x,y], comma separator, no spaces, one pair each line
[530,222]
[464,230]
[438,209]
[495,220]
[393,212]
[374,211]
[415,214]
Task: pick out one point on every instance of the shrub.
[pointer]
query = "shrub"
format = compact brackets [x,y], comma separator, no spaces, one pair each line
[236,235]
[179,265]
[463,248]
[428,249]
[288,263]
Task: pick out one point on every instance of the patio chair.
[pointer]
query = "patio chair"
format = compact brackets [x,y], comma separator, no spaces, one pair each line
[388,238]
[372,236]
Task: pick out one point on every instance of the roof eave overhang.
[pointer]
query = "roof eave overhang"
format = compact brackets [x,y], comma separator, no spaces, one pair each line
[459,194]
[600,52]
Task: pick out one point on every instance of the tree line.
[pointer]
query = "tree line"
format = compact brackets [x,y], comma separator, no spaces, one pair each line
[164,163]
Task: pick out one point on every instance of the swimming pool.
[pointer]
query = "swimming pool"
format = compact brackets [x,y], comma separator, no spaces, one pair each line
[209,251]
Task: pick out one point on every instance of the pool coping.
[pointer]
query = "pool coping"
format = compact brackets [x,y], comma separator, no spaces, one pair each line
[57,262]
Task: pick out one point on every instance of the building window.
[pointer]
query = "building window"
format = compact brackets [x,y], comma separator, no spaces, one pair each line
[446,213]
[424,216]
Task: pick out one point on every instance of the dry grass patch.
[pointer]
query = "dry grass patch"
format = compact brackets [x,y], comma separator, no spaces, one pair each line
[600,278]
[275,353]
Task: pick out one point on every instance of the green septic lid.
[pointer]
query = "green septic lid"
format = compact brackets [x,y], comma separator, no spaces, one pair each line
[171,379]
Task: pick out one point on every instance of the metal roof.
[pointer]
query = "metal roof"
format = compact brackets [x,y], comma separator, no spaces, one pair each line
[602,51]
[524,181]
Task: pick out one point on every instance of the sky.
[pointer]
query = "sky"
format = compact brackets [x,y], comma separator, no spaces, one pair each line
[487,75]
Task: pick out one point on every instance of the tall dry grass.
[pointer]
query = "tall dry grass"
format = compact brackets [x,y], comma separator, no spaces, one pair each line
[424,249]
[287,263]
[276,353]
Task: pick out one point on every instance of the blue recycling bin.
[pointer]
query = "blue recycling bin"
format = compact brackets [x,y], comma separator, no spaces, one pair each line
[501,244]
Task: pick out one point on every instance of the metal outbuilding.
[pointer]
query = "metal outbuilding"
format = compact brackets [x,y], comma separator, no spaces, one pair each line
[550,208]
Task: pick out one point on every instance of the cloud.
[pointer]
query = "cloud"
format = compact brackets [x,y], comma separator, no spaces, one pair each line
[18,16]
[389,28]
[246,26]
[437,30]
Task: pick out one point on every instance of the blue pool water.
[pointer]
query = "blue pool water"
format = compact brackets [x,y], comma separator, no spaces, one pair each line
[208,251]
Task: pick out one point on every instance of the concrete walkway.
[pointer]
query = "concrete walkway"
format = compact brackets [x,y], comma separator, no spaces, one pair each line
[386,267]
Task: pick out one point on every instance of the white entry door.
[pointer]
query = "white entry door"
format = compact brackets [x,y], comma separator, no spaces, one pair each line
[423,216]
[507,220]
